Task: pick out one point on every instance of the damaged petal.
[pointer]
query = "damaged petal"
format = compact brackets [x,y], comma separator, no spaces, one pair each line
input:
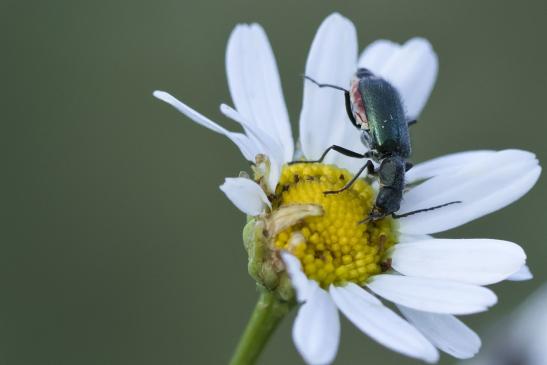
[261,170]
[289,215]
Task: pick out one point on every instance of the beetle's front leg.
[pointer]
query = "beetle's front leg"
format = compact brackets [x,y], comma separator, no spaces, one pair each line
[408,165]
[367,139]
[339,149]
[369,166]
[372,155]
[349,110]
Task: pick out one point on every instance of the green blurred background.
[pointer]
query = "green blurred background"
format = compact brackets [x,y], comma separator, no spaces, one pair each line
[117,245]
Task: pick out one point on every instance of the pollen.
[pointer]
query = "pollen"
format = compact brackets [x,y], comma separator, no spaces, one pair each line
[334,248]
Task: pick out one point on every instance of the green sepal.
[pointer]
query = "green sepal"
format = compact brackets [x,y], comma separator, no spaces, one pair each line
[265,265]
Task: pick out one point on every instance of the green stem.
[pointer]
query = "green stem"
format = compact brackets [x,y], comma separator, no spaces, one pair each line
[268,313]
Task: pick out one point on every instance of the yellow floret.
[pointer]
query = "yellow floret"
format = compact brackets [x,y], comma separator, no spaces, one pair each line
[333,248]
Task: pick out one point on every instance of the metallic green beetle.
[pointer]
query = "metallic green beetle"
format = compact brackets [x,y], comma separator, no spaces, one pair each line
[374,107]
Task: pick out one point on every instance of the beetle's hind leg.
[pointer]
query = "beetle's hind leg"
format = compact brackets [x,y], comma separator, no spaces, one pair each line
[339,149]
[369,166]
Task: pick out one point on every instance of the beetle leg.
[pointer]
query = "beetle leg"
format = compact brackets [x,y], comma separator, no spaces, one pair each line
[371,154]
[349,110]
[346,96]
[397,216]
[411,122]
[325,85]
[408,165]
[369,166]
[339,149]
[371,218]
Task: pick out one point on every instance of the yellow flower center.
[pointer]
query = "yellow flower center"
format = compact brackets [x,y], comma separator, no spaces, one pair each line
[334,248]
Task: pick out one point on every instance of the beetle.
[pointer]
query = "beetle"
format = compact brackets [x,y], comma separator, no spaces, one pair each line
[374,107]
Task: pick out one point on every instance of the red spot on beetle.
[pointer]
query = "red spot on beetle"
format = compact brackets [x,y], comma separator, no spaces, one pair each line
[357,105]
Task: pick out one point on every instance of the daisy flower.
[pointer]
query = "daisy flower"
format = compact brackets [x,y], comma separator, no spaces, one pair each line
[334,264]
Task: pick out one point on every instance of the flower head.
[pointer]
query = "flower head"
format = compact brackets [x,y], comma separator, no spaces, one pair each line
[332,247]
[334,263]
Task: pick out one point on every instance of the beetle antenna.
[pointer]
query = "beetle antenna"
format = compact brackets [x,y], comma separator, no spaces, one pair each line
[325,85]
[397,216]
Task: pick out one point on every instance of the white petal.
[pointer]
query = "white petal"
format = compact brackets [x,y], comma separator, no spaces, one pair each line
[323,121]
[431,295]
[368,314]
[301,284]
[410,238]
[473,261]
[270,146]
[246,146]
[266,144]
[254,84]
[445,164]
[445,331]
[483,187]
[522,274]
[411,68]
[246,195]
[377,54]
[316,329]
